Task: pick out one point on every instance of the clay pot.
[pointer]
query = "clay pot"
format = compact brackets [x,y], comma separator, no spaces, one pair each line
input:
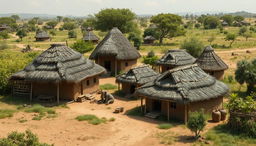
[223,114]
[216,116]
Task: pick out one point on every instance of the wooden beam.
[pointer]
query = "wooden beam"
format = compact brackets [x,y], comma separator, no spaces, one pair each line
[58,92]
[141,104]
[31,92]
[168,110]
[186,113]
[115,67]
[145,108]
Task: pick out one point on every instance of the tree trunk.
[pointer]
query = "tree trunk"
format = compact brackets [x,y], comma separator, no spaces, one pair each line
[250,88]
[161,40]
[231,44]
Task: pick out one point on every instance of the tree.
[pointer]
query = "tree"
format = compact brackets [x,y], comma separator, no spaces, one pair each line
[211,39]
[247,35]
[21,139]
[82,46]
[21,33]
[246,73]
[196,123]
[51,24]
[242,30]
[106,19]
[4,35]
[15,17]
[238,18]
[168,25]
[69,26]
[89,22]
[151,32]
[59,18]
[231,37]
[72,34]
[211,22]
[136,40]
[228,18]
[150,59]
[193,46]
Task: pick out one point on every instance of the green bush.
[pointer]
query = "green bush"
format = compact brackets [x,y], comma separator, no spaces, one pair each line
[4,35]
[165,126]
[82,46]
[21,139]
[41,111]
[193,46]
[196,122]
[72,34]
[6,113]
[108,87]
[150,59]
[91,119]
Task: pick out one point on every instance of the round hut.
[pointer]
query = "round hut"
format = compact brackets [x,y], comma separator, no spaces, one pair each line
[211,63]
[90,36]
[135,78]
[149,40]
[4,27]
[173,59]
[58,73]
[42,36]
[115,53]
[182,90]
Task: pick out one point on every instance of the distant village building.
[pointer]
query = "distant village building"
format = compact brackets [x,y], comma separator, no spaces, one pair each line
[115,53]
[149,40]
[173,59]
[90,36]
[3,27]
[211,63]
[224,23]
[136,77]
[58,73]
[182,90]
[42,36]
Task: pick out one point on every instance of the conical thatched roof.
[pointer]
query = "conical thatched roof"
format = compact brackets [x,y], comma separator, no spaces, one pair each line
[59,63]
[184,84]
[138,75]
[150,38]
[42,34]
[210,61]
[115,44]
[90,36]
[176,58]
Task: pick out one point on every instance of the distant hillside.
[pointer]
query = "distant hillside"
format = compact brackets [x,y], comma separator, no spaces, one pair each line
[244,14]
[28,15]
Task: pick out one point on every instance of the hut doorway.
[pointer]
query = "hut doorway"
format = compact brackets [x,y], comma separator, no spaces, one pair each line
[132,89]
[107,65]
[157,106]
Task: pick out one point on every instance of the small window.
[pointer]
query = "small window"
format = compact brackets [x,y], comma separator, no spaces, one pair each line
[88,82]
[173,105]
[95,80]
[126,63]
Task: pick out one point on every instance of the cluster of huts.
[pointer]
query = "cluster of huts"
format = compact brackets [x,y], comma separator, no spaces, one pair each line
[181,85]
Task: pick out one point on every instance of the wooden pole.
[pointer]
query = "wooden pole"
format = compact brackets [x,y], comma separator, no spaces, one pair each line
[186,113]
[141,104]
[31,92]
[58,93]
[118,86]
[168,110]
[115,67]
[145,108]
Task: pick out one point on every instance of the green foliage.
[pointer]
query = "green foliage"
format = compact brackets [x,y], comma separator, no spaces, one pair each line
[167,138]
[196,122]
[197,25]
[244,105]
[238,18]
[211,39]
[246,73]
[21,139]
[231,37]
[59,18]
[150,59]
[228,18]
[168,25]
[151,32]
[211,22]
[69,26]
[51,24]
[21,33]
[90,22]
[40,110]
[108,87]
[52,32]
[15,17]
[106,19]
[134,112]
[4,113]
[82,46]
[91,119]
[136,40]
[4,35]
[3,45]
[72,34]
[242,30]
[193,46]
[165,126]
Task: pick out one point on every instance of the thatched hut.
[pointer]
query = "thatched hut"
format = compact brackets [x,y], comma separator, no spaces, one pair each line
[211,63]
[42,36]
[115,53]
[182,90]
[4,27]
[58,73]
[149,40]
[136,77]
[174,58]
[90,37]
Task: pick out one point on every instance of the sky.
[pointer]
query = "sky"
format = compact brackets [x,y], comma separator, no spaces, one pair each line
[86,7]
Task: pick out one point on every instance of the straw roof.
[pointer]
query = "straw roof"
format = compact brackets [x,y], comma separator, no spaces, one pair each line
[150,38]
[59,63]
[138,75]
[176,58]
[210,61]
[184,84]
[42,34]
[115,44]
[90,36]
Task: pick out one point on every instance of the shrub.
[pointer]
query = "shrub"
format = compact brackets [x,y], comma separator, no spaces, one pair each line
[4,35]
[112,119]
[108,87]
[165,126]
[91,119]
[6,113]
[231,37]
[150,59]
[196,122]
[193,46]
[72,34]
[21,139]
[82,46]
[41,110]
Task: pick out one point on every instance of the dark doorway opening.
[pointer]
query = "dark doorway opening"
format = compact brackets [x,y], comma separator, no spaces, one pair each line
[132,89]
[107,65]
[157,105]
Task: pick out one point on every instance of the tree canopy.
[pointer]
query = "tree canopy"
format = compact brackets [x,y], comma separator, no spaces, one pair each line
[193,46]
[211,22]
[228,18]
[168,25]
